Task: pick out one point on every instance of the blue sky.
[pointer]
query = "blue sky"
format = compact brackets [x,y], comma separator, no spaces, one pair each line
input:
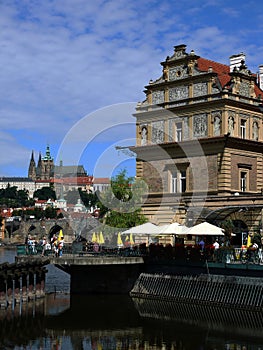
[73,71]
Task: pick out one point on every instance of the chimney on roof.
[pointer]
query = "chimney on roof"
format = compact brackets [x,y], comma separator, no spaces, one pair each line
[236,60]
[260,76]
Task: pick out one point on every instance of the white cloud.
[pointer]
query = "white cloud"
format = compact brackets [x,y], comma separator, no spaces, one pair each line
[61,60]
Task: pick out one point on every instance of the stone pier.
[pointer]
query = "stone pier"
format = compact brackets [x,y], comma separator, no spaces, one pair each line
[21,282]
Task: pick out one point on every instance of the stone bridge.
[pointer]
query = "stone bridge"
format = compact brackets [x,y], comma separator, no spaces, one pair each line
[16,232]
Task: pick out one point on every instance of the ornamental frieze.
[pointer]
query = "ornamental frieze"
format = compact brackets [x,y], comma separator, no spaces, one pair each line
[200,125]
[158,131]
[170,129]
[200,89]
[178,93]
[185,128]
[244,116]
[178,72]
[157,97]
[244,89]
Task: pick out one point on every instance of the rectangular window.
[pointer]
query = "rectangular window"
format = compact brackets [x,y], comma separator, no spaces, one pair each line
[243,128]
[178,132]
[174,183]
[182,181]
[178,181]
[243,181]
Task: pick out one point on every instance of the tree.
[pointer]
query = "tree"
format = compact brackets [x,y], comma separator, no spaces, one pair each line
[87,198]
[38,213]
[13,198]
[50,213]
[45,193]
[121,202]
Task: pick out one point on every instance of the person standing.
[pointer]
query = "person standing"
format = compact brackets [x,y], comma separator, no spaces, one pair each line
[60,246]
[202,245]
[216,247]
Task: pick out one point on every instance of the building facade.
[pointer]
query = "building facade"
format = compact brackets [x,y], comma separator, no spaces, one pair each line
[22,183]
[200,142]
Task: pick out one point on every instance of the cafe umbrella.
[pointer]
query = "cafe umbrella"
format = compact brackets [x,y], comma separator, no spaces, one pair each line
[131,239]
[205,229]
[101,238]
[94,237]
[119,240]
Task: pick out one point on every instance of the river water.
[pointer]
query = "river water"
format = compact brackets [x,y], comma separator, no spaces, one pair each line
[61,321]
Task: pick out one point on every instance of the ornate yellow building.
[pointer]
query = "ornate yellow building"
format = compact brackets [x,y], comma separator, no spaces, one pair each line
[200,142]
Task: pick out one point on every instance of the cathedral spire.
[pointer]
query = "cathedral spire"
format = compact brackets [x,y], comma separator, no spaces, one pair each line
[32,157]
[32,168]
[39,159]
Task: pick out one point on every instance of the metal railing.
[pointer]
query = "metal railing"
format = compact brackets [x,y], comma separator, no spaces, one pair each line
[152,252]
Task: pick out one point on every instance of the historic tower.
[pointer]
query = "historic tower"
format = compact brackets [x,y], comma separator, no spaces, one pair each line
[44,169]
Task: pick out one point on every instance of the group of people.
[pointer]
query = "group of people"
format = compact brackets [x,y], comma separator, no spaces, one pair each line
[43,246]
[57,244]
[250,249]
[253,244]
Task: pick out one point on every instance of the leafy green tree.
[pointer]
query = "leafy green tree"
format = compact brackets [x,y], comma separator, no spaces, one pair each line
[121,202]
[89,199]
[50,213]
[13,198]
[38,213]
[45,193]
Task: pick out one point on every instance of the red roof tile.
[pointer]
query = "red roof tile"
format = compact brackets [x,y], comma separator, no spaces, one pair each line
[84,180]
[101,180]
[219,68]
[222,71]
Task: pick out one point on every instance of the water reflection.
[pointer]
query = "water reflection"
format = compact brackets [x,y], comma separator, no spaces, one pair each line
[119,322]
[59,321]
[7,255]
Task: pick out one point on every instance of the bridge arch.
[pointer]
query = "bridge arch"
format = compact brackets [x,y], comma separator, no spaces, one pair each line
[54,231]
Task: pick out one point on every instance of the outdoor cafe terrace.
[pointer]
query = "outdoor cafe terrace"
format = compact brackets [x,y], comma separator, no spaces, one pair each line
[173,242]
[155,252]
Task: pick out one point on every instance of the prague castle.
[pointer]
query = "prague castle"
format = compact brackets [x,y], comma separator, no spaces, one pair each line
[46,170]
[62,178]
[200,142]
